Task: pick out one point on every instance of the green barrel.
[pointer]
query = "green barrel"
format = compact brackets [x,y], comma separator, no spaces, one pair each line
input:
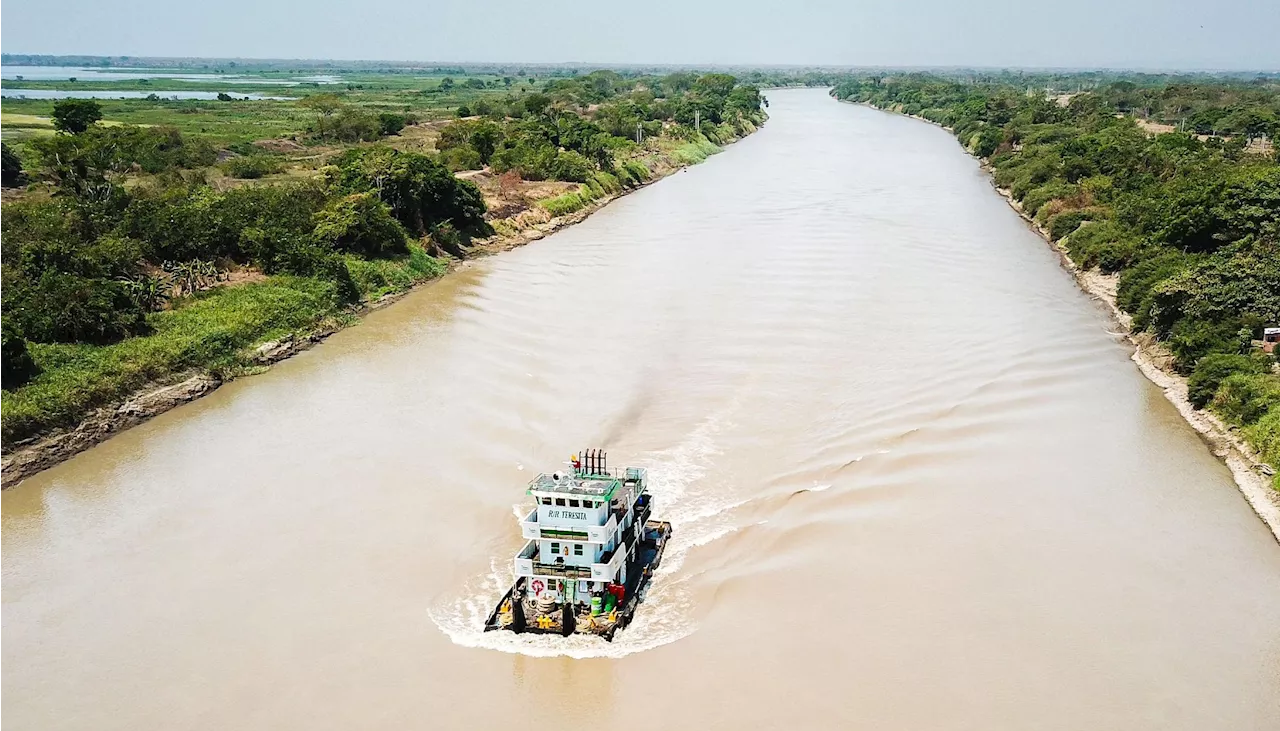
[595,606]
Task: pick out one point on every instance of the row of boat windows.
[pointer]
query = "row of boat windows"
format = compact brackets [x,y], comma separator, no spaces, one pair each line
[572,502]
[577,549]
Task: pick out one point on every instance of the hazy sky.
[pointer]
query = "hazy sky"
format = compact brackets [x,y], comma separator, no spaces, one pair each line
[1183,34]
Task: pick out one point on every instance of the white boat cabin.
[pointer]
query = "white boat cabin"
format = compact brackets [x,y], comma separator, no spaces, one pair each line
[581,532]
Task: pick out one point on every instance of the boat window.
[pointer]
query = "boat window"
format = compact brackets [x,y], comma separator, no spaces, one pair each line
[560,501]
[555,547]
[577,549]
[546,501]
[588,504]
[573,503]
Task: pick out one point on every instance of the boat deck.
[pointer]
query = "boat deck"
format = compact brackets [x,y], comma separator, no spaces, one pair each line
[648,557]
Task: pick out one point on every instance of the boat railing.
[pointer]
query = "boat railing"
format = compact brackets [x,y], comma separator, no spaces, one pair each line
[562,570]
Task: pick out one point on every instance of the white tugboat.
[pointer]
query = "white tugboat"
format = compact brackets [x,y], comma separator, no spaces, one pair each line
[591,552]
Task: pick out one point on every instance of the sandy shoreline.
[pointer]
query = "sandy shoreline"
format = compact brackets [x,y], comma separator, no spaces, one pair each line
[40,453]
[1251,474]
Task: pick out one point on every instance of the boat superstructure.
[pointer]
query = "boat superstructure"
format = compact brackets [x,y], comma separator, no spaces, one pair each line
[589,552]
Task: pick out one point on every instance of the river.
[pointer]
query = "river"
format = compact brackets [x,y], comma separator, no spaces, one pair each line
[915,480]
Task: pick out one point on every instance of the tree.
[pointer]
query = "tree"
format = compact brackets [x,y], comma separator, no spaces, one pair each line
[18,368]
[76,115]
[12,171]
[420,192]
[446,83]
[481,135]
[1215,368]
[391,123]
[742,101]
[536,103]
[325,105]
[360,224]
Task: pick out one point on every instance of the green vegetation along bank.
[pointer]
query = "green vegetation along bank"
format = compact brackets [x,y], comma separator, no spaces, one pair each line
[138,274]
[1183,226]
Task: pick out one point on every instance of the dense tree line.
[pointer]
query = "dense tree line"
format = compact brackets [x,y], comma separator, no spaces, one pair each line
[81,264]
[578,126]
[1192,226]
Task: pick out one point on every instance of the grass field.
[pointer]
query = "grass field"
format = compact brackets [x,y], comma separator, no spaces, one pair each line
[230,122]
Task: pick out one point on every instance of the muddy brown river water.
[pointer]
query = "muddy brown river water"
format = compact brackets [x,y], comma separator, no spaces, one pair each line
[915,480]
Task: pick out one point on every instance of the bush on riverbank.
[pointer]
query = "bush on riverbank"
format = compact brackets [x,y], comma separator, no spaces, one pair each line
[593,125]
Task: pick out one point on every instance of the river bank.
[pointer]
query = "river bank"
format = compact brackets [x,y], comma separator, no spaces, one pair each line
[534,222]
[1252,475]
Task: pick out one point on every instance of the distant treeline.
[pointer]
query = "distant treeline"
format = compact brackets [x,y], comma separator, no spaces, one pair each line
[574,128]
[1191,224]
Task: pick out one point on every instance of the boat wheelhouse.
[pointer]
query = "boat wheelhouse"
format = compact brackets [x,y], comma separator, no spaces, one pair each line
[590,549]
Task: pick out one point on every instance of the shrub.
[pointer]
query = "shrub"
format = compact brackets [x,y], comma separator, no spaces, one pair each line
[1037,197]
[63,307]
[102,150]
[1264,435]
[1136,288]
[381,276]
[11,174]
[985,142]
[15,361]
[480,135]
[570,166]
[251,167]
[1215,368]
[1064,224]
[1245,398]
[349,125]
[1190,340]
[1104,244]
[462,158]
[421,192]
[181,224]
[633,173]
[360,224]
[75,115]
[567,202]
[390,123]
